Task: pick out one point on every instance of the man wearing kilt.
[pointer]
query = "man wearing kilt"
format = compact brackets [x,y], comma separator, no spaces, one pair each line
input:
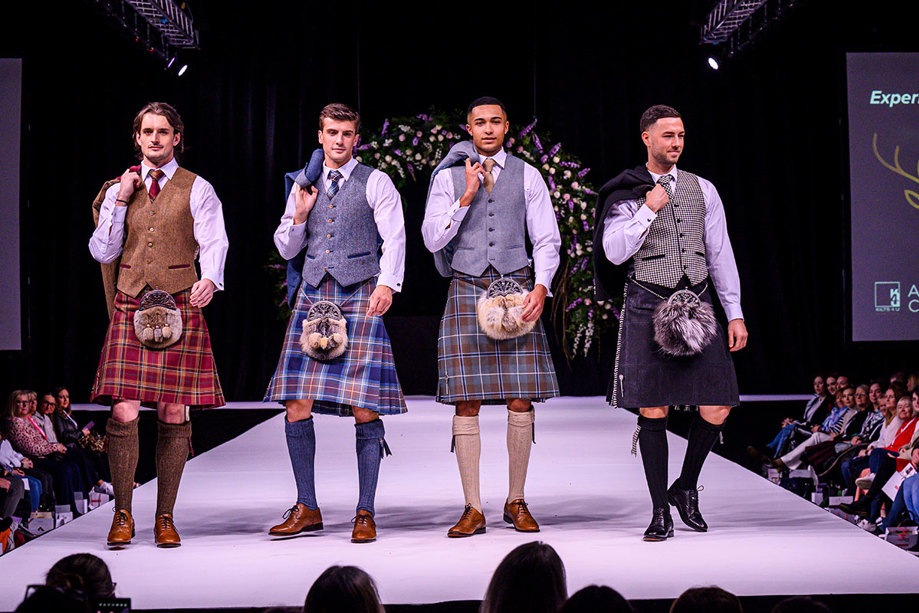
[478,217]
[152,224]
[665,230]
[342,223]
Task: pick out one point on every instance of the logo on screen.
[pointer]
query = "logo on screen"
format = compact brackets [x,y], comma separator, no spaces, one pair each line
[887,296]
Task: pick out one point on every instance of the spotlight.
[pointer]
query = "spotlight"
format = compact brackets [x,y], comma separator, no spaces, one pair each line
[183,69]
[713,63]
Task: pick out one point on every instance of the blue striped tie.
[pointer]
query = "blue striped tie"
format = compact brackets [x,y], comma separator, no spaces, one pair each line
[334,176]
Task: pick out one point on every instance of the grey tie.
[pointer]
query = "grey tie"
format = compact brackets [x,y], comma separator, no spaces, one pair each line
[665,182]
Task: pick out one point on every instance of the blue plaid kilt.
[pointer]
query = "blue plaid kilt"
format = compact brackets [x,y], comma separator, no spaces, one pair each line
[473,366]
[364,376]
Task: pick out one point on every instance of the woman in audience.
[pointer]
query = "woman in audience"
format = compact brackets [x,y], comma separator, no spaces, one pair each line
[596,599]
[14,463]
[906,505]
[872,421]
[852,467]
[884,461]
[343,588]
[815,411]
[530,579]
[876,392]
[29,439]
[831,428]
[83,440]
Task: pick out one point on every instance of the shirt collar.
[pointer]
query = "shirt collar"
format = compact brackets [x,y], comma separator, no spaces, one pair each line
[500,158]
[345,170]
[169,168]
[673,173]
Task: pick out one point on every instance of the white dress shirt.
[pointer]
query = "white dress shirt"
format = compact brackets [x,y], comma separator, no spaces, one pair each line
[10,459]
[386,203]
[444,215]
[107,241]
[627,226]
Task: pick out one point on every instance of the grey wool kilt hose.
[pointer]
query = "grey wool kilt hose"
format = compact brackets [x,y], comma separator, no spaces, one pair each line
[645,376]
[472,366]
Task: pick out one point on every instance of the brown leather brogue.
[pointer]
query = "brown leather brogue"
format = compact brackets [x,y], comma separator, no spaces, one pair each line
[122,529]
[365,529]
[472,522]
[297,519]
[516,512]
[164,531]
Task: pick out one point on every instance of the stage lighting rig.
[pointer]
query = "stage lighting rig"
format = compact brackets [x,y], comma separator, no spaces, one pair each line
[160,27]
[737,23]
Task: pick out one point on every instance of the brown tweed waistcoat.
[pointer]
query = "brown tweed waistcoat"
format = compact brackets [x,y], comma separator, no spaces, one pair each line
[160,246]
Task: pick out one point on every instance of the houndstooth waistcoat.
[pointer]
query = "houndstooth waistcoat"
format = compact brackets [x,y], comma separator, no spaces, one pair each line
[342,236]
[675,244]
[494,229]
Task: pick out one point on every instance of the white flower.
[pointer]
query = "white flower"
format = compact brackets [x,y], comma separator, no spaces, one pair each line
[417,156]
[556,194]
[583,205]
[388,158]
[431,138]
[545,167]
[387,142]
[552,171]
[575,185]
[359,158]
[440,137]
[583,217]
[438,128]
[587,301]
[567,174]
[556,159]
[605,316]
[376,155]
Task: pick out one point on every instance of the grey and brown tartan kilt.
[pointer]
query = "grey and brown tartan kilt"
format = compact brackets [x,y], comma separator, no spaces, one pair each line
[644,376]
[183,373]
[472,366]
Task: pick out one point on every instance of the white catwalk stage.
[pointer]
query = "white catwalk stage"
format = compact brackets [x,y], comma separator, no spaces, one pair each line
[584,487]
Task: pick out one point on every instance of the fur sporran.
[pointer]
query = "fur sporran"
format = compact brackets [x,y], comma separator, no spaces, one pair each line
[325,332]
[157,321]
[684,324]
[500,310]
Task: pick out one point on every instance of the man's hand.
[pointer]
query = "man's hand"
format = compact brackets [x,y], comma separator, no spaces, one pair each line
[60,448]
[533,303]
[862,453]
[380,301]
[18,472]
[26,463]
[786,421]
[472,182]
[130,181]
[305,202]
[737,335]
[85,431]
[4,484]
[815,429]
[201,293]
[657,198]
[855,440]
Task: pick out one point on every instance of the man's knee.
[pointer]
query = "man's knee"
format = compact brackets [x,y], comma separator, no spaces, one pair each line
[172,413]
[654,412]
[468,408]
[299,409]
[519,405]
[125,410]
[363,416]
[716,415]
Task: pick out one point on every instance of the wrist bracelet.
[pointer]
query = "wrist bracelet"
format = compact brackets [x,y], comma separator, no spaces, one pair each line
[120,200]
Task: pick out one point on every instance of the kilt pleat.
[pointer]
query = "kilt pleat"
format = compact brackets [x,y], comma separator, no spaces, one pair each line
[364,376]
[645,376]
[472,366]
[184,373]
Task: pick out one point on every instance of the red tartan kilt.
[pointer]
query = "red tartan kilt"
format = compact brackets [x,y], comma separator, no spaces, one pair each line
[184,373]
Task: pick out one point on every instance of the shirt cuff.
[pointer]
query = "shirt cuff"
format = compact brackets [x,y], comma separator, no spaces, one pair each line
[645,216]
[457,212]
[213,278]
[733,311]
[546,282]
[390,280]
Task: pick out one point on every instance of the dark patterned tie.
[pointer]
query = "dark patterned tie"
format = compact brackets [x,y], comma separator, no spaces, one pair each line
[334,176]
[665,182]
[154,190]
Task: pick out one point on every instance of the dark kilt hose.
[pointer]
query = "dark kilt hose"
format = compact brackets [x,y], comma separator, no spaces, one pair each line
[183,373]
[473,366]
[364,376]
[645,376]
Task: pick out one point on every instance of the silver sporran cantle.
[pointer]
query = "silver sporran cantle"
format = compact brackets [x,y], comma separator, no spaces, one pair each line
[684,324]
[500,310]
[325,332]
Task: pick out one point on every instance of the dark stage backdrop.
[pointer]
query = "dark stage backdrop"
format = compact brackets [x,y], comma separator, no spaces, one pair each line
[765,129]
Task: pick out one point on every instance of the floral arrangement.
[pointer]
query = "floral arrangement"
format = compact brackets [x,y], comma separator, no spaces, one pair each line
[409,148]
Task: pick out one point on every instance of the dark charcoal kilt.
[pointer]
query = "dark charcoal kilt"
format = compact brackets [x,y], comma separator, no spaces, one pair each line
[644,376]
[364,376]
[183,373]
[473,366]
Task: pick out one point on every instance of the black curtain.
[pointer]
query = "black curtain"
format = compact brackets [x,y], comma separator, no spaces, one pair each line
[767,129]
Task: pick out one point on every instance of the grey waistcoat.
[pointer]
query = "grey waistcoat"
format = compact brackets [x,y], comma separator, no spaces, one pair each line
[341,235]
[675,244]
[493,231]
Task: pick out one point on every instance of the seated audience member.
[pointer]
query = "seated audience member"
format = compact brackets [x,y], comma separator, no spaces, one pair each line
[831,384]
[88,444]
[815,411]
[800,604]
[852,467]
[885,461]
[17,464]
[343,588]
[830,430]
[905,506]
[43,414]
[899,377]
[912,382]
[28,438]
[74,584]
[596,599]
[876,391]
[530,579]
[842,382]
[706,600]
[871,424]
[11,493]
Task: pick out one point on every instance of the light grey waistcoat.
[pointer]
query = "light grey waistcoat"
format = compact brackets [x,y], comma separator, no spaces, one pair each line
[675,244]
[493,232]
[342,236]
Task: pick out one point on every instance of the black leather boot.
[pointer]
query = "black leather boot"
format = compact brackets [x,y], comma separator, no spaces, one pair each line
[661,527]
[687,505]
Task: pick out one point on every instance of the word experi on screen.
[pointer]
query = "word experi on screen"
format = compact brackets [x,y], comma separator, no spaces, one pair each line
[891,99]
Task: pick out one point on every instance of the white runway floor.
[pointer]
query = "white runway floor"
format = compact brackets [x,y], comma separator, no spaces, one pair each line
[584,488]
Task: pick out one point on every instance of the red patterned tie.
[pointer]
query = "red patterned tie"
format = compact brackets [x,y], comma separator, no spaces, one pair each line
[154,190]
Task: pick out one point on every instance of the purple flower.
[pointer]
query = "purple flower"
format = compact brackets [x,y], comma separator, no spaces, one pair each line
[555,149]
[583,172]
[385,127]
[415,141]
[397,152]
[528,129]
[364,147]
[537,141]
[543,159]
[551,184]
